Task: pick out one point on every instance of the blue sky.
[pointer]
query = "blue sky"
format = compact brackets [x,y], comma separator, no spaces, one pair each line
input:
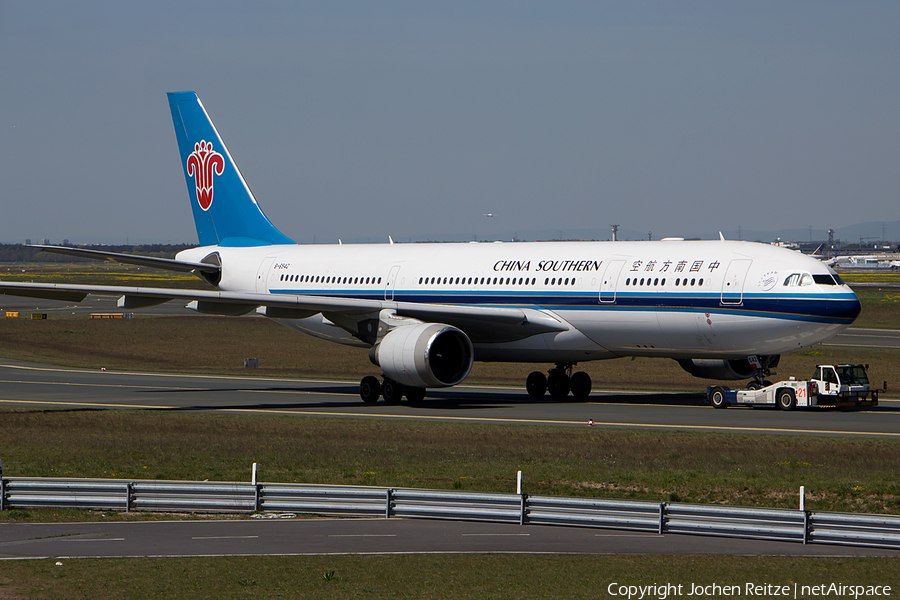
[359,120]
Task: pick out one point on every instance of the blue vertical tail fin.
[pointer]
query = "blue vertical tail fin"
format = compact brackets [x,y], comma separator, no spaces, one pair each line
[225,211]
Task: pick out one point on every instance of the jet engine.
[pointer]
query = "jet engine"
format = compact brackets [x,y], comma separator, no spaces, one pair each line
[725,369]
[424,355]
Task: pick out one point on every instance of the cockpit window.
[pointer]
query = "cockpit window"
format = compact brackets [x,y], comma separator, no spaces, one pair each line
[824,280]
[837,278]
[801,279]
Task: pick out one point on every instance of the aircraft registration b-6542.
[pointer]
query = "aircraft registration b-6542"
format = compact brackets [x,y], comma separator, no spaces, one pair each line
[722,309]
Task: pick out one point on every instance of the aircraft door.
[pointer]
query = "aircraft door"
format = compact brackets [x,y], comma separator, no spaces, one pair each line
[610,280]
[733,285]
[391,281]
[262,286]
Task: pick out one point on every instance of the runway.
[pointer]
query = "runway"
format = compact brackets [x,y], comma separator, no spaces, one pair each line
[47,387]
[366,536]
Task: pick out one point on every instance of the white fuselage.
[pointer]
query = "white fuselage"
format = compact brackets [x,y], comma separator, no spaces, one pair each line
[678,299]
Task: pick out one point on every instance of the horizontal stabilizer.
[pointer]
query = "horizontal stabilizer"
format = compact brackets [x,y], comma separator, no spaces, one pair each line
[167,264]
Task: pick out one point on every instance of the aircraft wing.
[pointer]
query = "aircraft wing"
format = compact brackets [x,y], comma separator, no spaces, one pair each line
[481,323]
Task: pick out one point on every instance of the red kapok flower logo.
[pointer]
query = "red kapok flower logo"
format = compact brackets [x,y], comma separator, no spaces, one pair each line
[201,164]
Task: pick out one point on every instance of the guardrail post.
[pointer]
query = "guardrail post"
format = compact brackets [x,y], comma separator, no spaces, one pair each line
[524,509]
[257,496]
[662,517]
[389,499]
[2,493]
[805,526]
[128,497]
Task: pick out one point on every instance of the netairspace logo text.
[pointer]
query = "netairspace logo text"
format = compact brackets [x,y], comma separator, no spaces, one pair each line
[768,590]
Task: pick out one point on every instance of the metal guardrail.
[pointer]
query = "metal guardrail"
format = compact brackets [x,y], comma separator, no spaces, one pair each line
[657,517]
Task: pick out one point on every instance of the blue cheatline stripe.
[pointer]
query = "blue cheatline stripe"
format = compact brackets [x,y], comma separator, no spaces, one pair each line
[840,309]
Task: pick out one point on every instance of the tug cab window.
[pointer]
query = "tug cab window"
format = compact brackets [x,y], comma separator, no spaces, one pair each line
[828,375]
[853,375]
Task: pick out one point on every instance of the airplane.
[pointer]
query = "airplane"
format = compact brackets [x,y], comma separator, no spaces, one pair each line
[864,261]
[426,312]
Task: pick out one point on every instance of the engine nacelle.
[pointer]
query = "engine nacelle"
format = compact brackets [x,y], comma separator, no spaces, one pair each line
[425,355]
[724,369]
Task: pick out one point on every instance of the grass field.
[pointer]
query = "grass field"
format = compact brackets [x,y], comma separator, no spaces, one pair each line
[844,474]
[498,576]
[840,474]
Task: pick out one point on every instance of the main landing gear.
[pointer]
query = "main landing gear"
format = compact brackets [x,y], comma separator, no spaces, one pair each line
[559,381]
[370,390]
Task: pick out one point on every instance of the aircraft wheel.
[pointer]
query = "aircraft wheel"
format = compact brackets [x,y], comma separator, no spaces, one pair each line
[581,384]
[536,384]
[558,385]
[753,385]
[415,395]
[786,399]
[717,397]
[392,391]
[369,390]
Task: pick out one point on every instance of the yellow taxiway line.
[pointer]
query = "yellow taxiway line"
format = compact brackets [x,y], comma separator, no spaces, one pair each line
[580,422]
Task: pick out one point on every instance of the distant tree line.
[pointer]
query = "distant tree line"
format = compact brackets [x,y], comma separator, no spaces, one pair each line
[20,253]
